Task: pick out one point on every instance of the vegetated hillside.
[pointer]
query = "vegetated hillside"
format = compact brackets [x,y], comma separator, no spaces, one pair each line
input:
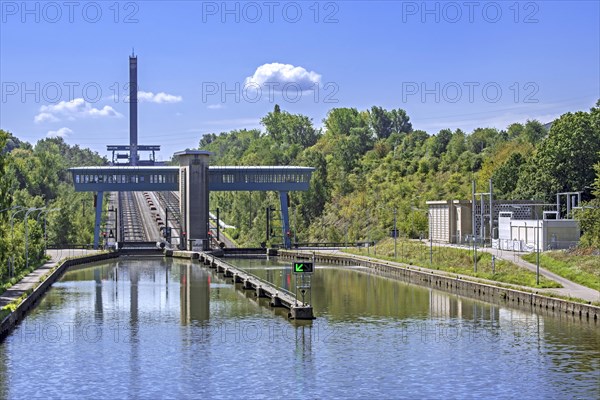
[34,177]
[369,162]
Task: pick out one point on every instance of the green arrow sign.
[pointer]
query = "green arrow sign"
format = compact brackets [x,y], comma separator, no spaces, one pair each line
[302,267]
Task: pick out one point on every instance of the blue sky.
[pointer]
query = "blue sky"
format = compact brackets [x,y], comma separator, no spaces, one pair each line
[448,64]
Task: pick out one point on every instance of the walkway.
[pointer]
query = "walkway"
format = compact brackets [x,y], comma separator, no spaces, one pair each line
[30,281]
[569,288]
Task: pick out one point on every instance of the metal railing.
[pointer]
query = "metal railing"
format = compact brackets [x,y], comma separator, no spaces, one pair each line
[258,278]
[333,244]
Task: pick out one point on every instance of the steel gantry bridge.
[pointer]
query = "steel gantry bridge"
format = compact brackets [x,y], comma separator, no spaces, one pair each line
[193,178]
[119,178]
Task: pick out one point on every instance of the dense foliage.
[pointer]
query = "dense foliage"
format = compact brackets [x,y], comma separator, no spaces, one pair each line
[368,163]
[36,177]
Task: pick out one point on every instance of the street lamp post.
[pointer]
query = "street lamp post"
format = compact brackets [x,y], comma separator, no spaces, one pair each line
[27,234]
[537,257]
[421,233]
[8,209]
[395,235]
[395,231]
[12,238]
[45,212]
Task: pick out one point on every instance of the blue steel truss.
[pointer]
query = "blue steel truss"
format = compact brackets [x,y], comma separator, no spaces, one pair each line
[164,178]
[282,179]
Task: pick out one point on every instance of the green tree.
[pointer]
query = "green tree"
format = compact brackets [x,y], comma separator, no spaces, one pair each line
[439,142]
[564,161]
[533,132]
[5,198]
[340,121]
[589,216]
[290,129]
[481,138]
[400,121]
[381,122]
[505,177]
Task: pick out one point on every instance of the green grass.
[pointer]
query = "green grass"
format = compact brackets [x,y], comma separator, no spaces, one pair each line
[459,261]
[582,269]
[6,282]
[12,306]
[229,233]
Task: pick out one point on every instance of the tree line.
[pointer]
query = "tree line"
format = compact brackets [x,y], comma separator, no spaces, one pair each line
[369,163]
[34,179]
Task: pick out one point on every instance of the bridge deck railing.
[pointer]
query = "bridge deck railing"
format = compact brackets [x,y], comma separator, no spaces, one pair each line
[258,278]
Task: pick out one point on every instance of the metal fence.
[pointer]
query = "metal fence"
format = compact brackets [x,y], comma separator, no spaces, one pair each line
[523,246]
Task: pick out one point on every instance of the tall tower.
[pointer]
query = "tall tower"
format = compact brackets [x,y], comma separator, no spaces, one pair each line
[131,152]
[133,104]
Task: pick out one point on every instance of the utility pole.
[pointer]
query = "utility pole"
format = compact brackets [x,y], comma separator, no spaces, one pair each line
[12,239]
[537,258]
[268,223]
[491,214]
[474,227]
[218,225]
[25,221]
[395,235]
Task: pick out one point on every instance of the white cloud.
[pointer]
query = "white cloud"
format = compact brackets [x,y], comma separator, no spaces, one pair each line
[62,132]
[215,106]
[106,111]
[277,75]
[159,98]
[70,110]
[44,117]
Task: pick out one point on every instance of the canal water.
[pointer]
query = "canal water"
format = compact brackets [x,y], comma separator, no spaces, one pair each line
[150,328]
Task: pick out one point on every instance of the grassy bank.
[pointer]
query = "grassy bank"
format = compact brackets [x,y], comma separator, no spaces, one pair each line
[582,269]
[6,282]
[454,260]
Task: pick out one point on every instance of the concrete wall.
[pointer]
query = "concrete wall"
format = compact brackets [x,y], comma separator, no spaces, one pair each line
[412,274]
[30,301]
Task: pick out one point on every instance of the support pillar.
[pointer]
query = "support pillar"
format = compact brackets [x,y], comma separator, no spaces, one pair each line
[99,198]
[276,302]
[285,226]
[193,195]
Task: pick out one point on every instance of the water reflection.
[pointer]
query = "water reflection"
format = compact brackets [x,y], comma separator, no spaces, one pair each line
[194,294]
[154,328]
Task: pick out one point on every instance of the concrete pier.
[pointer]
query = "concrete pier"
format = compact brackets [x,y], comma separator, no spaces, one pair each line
[279,297]
[454,283]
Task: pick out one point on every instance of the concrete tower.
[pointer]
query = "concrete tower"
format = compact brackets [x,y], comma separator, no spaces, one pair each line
[193,195]
[133,104]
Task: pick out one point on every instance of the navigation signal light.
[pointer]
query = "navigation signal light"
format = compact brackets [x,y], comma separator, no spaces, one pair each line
[300,267]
